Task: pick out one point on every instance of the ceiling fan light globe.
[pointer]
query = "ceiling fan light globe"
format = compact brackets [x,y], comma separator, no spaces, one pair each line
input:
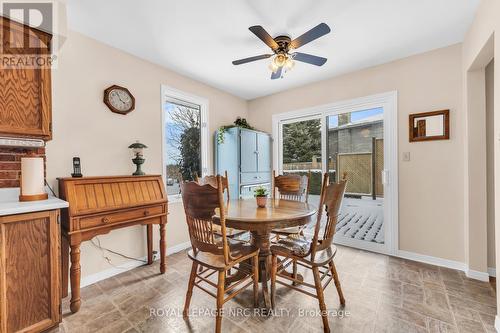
[272,67]
[280,60]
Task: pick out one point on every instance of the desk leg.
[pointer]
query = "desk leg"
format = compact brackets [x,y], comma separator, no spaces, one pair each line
[75,274]
[149,231]
[163,246]
[64,265]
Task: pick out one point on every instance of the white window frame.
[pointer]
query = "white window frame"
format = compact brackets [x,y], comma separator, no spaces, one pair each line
[166,92]
[389,101]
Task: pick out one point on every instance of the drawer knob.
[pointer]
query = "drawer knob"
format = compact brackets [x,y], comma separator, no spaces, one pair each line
[146,212]
[105,220]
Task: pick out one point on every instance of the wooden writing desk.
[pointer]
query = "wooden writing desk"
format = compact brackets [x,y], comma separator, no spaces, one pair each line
[98,205]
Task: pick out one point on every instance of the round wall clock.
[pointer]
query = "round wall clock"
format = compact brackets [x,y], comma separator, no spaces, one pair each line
[119,99]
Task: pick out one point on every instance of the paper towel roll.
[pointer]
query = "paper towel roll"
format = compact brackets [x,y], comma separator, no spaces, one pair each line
[32,177]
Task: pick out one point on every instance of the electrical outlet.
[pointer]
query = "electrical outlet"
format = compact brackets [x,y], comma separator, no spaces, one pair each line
[156,255]
[406,156]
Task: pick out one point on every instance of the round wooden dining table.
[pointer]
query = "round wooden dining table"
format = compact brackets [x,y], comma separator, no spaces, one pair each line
[244,214]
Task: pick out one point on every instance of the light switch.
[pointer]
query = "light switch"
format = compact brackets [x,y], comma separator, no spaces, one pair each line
[406,156]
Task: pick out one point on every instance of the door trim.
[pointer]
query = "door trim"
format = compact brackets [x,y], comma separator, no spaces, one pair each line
[387,100]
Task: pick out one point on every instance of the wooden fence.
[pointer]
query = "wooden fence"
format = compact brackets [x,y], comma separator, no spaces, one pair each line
[364,170]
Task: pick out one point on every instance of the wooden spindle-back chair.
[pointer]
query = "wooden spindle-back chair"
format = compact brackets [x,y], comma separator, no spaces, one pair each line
[316,254]
[291,187]
[213,252]
[212,180]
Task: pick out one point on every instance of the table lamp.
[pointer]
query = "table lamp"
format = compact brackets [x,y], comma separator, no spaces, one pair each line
[32,179]
[138,160]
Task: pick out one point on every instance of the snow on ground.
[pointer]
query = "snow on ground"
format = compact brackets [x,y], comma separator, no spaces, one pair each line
[361,219]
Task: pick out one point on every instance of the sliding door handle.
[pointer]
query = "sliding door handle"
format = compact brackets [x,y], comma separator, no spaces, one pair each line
[385,177]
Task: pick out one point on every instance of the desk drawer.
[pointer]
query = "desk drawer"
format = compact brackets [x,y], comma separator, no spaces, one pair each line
[128,215]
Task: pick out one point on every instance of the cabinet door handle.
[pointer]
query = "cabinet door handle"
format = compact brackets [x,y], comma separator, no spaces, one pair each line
[146,212]
[105,220]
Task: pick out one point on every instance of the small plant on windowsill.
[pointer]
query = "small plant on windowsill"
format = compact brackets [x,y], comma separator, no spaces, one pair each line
[261,194]
[239,122]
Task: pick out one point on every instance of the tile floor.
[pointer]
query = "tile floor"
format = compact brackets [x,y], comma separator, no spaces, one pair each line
[383,294]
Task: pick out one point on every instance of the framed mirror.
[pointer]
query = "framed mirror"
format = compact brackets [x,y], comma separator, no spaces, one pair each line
[430,126]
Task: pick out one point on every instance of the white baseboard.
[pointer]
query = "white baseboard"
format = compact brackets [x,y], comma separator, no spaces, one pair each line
[105,274]
[481,276]
[178,248]
[492,271]
[497,323]
[432,260]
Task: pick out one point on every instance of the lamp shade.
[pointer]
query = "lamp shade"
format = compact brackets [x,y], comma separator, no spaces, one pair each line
[32,179]
[137,145]
[137,148]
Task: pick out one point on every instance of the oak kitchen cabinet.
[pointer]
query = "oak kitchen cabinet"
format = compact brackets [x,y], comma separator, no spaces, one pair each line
[30,271]
[30,275]
[25,93]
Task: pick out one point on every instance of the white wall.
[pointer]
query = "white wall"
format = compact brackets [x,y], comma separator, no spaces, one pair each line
[83,126]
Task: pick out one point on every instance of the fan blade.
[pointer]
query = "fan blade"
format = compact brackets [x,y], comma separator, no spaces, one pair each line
[277,74]
[309,58]
[260,32]
[315,33]
[244,61]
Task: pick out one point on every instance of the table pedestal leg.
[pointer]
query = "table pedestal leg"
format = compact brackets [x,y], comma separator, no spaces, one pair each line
[262,240]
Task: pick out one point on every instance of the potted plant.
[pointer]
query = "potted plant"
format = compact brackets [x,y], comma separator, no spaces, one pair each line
[260,194]
[239,122]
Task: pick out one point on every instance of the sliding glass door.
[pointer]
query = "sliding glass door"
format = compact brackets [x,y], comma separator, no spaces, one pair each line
[348,141]
[355,151]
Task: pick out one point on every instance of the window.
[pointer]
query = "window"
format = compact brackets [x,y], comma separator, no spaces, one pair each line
[185,139]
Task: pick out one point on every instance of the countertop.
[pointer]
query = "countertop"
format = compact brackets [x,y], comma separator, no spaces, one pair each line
[10,205]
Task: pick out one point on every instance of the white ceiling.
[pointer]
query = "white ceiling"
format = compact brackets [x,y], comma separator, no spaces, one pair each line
[200,38]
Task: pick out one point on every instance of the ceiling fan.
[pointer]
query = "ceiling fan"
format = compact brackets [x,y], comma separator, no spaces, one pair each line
[283,47]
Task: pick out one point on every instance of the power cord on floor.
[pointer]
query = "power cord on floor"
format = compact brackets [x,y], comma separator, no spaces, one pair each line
[108,259]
